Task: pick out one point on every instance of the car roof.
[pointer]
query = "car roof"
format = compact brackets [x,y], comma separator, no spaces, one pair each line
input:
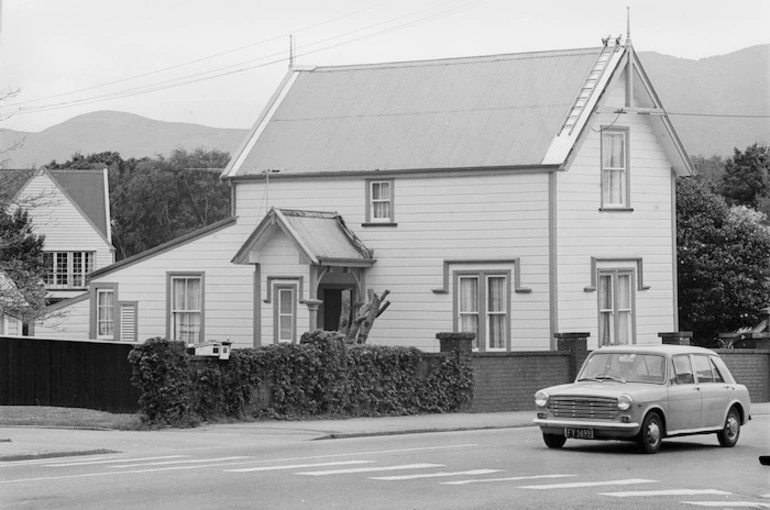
[656,349]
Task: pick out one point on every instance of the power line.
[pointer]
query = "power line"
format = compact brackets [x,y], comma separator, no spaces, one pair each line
[226,70]
[721,115]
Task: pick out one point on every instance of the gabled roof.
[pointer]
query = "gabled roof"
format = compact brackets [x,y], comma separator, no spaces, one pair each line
[503,111]
[322,238]
[87,189]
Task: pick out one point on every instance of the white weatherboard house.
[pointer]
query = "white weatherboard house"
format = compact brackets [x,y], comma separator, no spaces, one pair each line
[515,196]
[71,209]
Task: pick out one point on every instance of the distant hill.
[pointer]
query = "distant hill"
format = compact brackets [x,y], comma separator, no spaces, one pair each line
[130,135]
[734,84]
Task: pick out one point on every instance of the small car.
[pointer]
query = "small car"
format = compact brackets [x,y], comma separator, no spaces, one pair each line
[645,393]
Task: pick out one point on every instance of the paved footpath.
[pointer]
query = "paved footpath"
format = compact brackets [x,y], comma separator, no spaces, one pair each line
[24,443]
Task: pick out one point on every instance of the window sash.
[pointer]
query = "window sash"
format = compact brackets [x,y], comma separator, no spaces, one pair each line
[616,311]
[483,309]
[614,168]
[186,308]
[67,269]
[381,200]
[105,313]
[285,313]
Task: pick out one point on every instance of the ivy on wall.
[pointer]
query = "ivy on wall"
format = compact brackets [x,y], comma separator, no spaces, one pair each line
[320,376]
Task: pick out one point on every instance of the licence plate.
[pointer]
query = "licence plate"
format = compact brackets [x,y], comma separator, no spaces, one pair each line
[579,433]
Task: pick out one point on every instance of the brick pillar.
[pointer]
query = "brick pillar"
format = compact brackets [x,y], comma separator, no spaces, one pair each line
[577,346]
[459,342]
[676,338]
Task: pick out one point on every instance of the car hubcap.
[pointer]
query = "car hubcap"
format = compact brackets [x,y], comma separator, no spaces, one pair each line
[731,427]
[653,432]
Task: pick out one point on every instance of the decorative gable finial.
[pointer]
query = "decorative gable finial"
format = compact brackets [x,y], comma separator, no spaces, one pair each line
[628,27]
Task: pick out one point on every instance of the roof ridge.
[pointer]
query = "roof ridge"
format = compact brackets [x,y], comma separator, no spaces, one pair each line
[456,60]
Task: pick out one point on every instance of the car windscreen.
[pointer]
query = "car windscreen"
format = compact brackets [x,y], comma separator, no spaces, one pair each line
[625,367]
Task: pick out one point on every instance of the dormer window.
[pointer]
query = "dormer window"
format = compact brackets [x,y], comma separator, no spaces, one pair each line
[614,155]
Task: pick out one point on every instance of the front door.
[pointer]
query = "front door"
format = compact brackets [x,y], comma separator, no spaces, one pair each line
[336,307]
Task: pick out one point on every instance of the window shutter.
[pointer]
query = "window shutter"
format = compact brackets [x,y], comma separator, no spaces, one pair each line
[128,322]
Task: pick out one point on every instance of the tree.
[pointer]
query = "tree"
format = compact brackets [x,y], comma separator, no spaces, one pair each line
[155,200]
[746,180]
[710,169]
[22,291]
[723,263]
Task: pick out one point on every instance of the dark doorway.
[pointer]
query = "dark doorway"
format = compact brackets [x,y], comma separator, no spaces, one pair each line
[335,310]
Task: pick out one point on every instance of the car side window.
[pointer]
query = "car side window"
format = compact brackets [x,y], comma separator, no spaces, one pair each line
[683,373]
[703,368]
[717,376]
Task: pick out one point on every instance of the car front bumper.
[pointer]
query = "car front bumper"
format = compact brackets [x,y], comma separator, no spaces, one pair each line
[602,430]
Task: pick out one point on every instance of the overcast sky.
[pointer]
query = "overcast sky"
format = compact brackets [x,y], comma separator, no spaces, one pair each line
[69,57]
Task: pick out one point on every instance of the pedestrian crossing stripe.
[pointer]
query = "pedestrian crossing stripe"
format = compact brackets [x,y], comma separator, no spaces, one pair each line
[509,479]
[668,492]
[369,469]
[577,485]
[728,504]
[297,466]
[438,475]
[111,461]
[177,462]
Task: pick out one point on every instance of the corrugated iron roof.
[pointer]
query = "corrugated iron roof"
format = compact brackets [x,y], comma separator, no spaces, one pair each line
[322,236]
[501,110]
[85,187]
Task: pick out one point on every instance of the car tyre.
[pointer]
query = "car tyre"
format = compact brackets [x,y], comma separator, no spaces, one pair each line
[555,441]
[651,435]
[729,434]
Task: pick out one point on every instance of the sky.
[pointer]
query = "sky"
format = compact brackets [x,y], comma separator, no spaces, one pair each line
[218,63]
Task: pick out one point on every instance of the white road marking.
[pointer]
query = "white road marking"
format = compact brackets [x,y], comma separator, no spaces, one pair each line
[728,504]
[577,485]
[297,466]
[369,469]
[110,461]
[512,479]
[437,475]
[47,460]
[669,492]
[166,463]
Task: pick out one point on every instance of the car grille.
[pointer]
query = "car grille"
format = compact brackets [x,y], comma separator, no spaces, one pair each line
[584,408]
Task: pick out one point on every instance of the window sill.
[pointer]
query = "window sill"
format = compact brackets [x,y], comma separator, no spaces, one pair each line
[616,209]
[383,224]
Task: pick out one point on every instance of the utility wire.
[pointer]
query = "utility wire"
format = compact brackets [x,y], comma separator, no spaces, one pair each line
[722,115]
[227,70]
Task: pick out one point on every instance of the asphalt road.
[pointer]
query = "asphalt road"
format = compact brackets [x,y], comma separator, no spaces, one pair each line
[490,469]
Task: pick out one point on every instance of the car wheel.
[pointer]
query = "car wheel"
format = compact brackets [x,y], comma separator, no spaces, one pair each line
[554,440]
[728,436]
[651,434]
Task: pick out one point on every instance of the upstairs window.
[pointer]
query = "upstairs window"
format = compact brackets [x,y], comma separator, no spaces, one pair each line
[614,149]
[380,202]
[67,269]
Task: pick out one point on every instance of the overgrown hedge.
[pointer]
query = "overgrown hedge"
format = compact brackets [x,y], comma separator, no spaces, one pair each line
[319,376]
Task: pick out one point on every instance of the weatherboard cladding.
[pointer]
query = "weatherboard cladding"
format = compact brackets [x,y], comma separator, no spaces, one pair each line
[473,112]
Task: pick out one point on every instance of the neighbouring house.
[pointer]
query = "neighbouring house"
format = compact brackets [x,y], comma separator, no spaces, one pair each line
[72,209]
[515,196]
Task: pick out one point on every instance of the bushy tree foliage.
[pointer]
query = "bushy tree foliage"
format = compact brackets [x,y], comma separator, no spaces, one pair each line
[22,291]
[746,180]
[155,200]
[723,263]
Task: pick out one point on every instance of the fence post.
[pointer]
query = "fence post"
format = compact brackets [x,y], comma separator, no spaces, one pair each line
[676,338]
[576,344]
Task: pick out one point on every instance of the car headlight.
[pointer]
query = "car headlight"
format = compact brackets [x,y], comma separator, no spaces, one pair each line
[624,402]
[541,399]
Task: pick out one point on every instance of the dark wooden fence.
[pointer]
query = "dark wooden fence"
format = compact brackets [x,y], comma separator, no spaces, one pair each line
[62,373]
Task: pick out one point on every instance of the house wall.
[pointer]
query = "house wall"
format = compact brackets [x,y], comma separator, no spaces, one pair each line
[64,226]
[64,323]
[647,232]
[482,215]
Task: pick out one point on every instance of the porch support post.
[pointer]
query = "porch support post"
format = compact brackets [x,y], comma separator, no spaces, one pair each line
[312,306]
